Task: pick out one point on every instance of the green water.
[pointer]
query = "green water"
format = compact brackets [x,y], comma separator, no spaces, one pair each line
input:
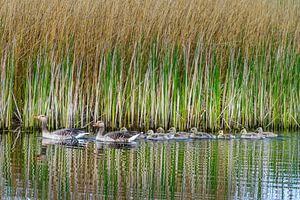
[33,168]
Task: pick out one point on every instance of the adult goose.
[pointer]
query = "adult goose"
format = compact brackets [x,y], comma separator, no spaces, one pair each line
[116,136]
[61,134]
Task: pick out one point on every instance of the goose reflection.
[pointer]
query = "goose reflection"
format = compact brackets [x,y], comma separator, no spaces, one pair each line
[116,145]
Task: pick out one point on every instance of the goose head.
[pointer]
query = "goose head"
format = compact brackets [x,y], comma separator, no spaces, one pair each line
[172,130]
[150,132]
[194,130]
[41,118]
[220,133]
[99,124]
[259,130]
[123,129]
[243,131]
[160,130]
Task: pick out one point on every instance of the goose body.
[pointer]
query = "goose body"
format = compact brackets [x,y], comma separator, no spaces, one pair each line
[221,135]
[266,134]
[250,135]
[200,135]
[132,133]
[116,136]
[61,134]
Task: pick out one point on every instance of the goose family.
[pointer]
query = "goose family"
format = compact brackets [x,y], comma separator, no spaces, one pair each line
[126,136]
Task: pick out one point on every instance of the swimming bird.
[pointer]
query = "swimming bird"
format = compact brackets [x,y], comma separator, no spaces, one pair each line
[132,133]
[61,134]
[116,136]
[200,135]
[250,135]
[259,130]
[221,135]
[172,134]
[158,136]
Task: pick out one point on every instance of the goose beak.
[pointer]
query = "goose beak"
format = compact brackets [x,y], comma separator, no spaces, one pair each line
[35,117]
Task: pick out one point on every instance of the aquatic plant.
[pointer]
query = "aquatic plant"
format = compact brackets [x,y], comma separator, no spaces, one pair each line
[187,63]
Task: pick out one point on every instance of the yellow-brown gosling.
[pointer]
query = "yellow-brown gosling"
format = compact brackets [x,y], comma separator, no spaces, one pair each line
[200,135]
[259,130]
[172,134]
[221,135]
[250,135]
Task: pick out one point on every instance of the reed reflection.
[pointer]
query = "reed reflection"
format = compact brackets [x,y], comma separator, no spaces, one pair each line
[208,169]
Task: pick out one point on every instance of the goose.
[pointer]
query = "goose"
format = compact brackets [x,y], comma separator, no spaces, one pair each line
[172,134]
[61,134]
[250,135]
[132,133]
[200,135]
[116,136]
[158,136]
[221,135]
[259,130]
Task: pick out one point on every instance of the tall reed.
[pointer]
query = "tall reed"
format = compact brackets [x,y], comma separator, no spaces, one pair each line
[212,64]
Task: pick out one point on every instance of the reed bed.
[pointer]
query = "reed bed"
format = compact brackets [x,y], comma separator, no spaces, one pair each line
[211,64]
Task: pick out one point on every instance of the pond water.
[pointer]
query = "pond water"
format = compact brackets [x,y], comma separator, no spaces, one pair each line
[34,168]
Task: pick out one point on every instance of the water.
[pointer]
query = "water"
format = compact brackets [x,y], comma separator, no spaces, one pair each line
[31,167]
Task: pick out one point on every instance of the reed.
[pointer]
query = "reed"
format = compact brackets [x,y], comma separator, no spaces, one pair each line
[212,64]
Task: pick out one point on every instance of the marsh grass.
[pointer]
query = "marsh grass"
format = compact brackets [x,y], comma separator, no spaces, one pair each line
[212,64]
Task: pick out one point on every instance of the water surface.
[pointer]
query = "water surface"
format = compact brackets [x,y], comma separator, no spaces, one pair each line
[31,167]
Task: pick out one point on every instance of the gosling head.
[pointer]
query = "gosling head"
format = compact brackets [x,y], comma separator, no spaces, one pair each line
[221,132]
[259,130]
[194,130]
[243,131]
[123,129]
[41,118]
[160,130]
[99,124]
[172,130]
[150,132]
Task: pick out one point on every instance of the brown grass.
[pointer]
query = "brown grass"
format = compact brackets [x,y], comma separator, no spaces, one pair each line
[96,24]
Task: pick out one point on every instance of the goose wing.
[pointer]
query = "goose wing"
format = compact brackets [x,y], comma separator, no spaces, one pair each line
[72,132]
[117,135]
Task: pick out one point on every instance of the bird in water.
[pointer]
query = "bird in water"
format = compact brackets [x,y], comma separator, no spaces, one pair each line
[116,136]
[158,136]
[172,134]
[250,135]
[259,130]
[221,135]
[200,135]
[61,134]
[132,133]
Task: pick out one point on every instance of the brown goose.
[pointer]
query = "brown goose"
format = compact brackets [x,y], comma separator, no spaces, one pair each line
[61,134]
[116,136]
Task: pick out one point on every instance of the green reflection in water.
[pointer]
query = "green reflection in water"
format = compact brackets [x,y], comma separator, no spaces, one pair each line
[209,169]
